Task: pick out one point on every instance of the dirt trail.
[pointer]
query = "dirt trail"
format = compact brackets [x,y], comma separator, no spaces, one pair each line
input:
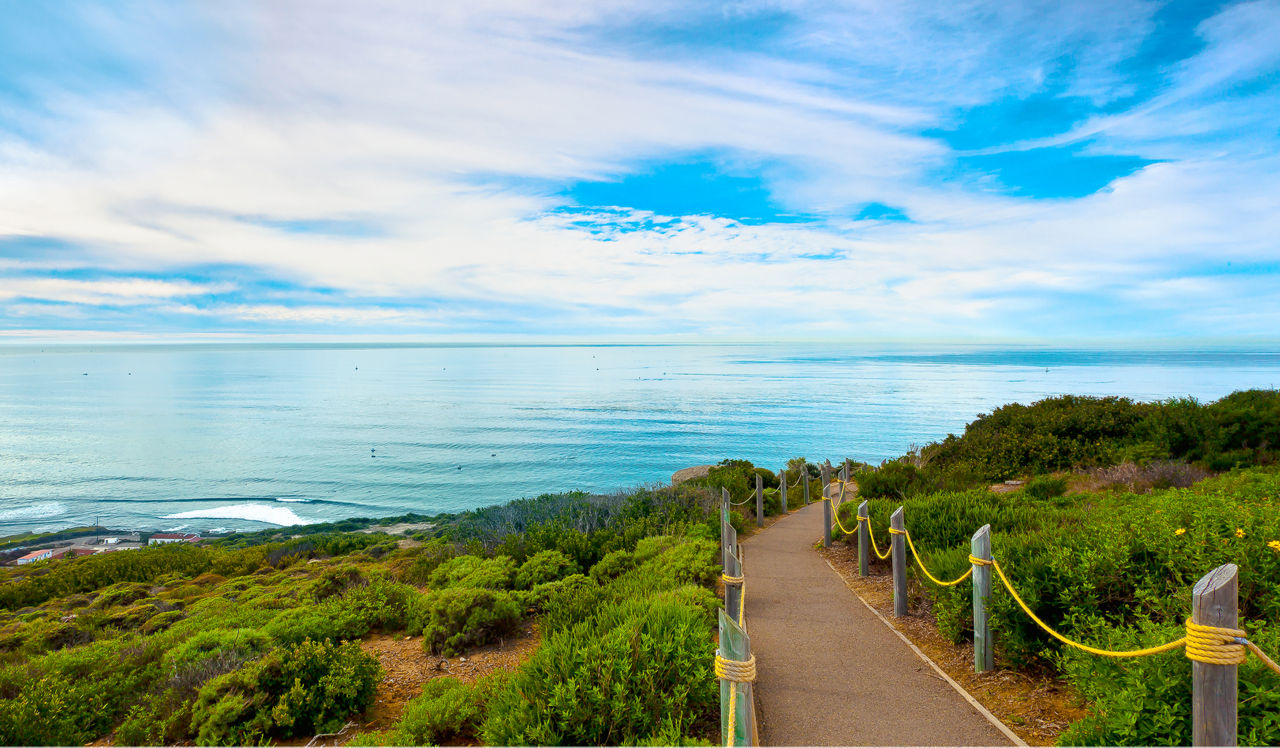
[828,671]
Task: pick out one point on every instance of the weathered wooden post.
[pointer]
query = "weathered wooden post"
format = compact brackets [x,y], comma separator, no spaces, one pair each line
[1214,602]
[733,590]
[759,501]
[782,489]
[826,476]
[983,651]
[804,478]
[735,646]
[864,540]
[848,469]
[826,522]
[896,522]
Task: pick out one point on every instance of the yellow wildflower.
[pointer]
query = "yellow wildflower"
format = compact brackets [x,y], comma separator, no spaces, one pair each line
[1180,531]
[1274,545]
[1239,533]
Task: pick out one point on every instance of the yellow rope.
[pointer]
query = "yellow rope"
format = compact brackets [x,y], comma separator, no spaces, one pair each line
[1092,650]
[871,534]
[920,563]
[1262,656]
[1214,645]
[836,514]
[732,580]
[896,531]
[734,671]
[980,561]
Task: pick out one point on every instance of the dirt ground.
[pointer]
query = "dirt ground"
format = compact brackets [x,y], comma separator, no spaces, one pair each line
[1037,709]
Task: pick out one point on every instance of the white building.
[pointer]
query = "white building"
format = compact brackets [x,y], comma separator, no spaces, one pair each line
[34,556]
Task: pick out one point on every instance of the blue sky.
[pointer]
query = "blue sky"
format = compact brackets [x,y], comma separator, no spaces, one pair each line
[1004,171]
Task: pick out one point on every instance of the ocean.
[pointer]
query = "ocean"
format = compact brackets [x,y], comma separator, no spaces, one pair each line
[242,437]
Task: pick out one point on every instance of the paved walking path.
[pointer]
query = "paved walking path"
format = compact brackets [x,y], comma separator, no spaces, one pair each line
[828,671]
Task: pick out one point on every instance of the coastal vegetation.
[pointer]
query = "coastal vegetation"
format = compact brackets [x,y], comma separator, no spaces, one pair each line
[258,637]
[1116,509]
[1113,523]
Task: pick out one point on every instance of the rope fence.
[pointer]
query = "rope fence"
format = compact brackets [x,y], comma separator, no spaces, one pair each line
[1212,640]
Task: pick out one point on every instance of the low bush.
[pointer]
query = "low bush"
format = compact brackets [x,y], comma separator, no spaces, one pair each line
[472,571]
[1045,487]
[302,689]
[446,710]
[542,567]
[614,680]
[455,618]
[612,565]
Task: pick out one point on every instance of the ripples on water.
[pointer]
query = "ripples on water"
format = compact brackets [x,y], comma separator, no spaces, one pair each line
[244,437]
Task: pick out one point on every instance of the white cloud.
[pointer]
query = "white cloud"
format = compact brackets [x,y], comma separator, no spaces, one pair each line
[439,124]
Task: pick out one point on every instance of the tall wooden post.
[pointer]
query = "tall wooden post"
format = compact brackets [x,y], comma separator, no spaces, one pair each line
[848,469]
[826,475]
[804,478]
[733,590]
[736,645]
[983,651]
[782,489]
[897,522]
[826,522]
[1214,601]
[864,541]
[728,537]
[759,502]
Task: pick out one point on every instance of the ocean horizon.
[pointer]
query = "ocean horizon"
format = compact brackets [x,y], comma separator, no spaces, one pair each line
[243,436]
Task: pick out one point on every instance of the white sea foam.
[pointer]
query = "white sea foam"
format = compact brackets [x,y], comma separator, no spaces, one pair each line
[274,515]
[295,501]
[49,509]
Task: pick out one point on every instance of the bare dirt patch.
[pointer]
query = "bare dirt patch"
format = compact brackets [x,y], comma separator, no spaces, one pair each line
[408,667]
[1036,708]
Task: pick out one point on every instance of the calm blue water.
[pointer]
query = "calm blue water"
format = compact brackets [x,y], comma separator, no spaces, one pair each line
[245,437]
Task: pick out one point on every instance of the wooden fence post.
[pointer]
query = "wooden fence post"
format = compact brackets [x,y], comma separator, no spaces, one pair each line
[1214,602]
[733,590]
[826,476]
[736,645]
[759,501]
[725,527]
[804,478]
[782,489]
[826,522]
[983,651]
[897,522]
[864,541]
[848,469]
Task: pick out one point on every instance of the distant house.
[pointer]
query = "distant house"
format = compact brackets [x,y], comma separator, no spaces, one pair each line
[35,556]
[173,537]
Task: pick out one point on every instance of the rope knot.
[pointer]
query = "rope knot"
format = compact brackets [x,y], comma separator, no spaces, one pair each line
[736,671]
[893,531]
[1214,645]
[732,580]
[979,561]
[863,518]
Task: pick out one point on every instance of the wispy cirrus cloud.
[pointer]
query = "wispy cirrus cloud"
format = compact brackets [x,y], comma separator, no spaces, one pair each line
[772,170]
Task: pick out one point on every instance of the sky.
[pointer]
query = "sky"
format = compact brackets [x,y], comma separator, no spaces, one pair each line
[869,170]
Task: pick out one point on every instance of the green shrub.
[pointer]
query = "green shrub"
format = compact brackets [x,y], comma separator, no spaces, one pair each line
[567,601]
[455,618]
[1045,487]
[612,565]
[335,579]
[545,566]
[161,621]
[302,689]
[447,710]
[472,571]
[614,680]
